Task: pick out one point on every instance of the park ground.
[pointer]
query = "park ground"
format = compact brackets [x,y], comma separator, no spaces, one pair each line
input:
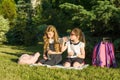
[10,70]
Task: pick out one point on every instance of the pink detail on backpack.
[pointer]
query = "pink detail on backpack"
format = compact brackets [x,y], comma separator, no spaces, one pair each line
[112,52]
[102,54]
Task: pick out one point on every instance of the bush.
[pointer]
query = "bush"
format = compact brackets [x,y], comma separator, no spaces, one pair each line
[29,36]
[4,27]
[8,9]
[90,44]
[40,31]
[117,44]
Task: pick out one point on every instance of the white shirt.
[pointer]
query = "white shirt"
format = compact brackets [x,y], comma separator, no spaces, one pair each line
[75,48]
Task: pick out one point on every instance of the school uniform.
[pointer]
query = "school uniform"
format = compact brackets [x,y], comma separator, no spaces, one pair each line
[53,59]
[74,48]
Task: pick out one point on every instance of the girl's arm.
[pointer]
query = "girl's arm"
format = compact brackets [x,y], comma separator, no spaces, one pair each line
[53,52]
[63,46]
[82,55]
[44,55]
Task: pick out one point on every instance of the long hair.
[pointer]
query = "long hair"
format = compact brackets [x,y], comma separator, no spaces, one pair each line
[55,37]
[78,32]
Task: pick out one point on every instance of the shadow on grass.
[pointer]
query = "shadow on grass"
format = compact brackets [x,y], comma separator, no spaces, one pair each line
[14,54]
[21,50]
[14,60]
[35,48]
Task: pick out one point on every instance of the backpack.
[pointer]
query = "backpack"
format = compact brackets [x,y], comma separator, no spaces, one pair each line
[103,55]
[28,59]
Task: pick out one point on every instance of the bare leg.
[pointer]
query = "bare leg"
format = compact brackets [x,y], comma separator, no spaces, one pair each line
[77,64]
[39,63]
[66,64]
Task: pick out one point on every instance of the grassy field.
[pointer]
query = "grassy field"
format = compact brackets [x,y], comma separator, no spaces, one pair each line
[10,70]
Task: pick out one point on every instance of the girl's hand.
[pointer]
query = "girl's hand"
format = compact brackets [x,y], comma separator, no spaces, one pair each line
[70,54]
[50,51]
[44,57]
[65,39]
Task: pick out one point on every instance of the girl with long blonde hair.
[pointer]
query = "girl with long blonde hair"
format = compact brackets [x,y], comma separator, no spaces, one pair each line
[52,48]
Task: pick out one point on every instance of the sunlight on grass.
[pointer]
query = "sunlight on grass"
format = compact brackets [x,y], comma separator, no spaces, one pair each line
[10,70]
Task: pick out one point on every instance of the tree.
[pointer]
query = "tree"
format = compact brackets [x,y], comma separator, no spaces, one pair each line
[80,16]
[52,14]
[25,30]
[99,19]
[116,3]
[104,11]
[8,10]
[16,34]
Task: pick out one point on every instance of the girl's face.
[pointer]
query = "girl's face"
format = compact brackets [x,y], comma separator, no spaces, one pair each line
[50,34]
[73,36]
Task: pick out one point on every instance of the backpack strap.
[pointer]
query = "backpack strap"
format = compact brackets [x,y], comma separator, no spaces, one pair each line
[107,55]
[95,57]
[111,53]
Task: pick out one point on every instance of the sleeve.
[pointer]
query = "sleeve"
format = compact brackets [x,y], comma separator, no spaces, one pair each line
[60,40]
[67,43]
[82,45]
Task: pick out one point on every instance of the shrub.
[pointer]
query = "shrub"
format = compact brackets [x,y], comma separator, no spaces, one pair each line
[4,27]
[117,44]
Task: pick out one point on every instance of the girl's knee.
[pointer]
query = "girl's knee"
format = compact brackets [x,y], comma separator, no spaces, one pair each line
[76,64]
[66,64]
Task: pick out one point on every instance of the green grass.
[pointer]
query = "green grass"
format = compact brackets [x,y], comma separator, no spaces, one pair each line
[10,70]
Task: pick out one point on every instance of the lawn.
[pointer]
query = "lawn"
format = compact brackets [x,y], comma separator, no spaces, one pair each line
[10,70]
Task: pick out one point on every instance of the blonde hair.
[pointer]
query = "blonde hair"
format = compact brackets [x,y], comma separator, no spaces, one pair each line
[78,32]
[55,37]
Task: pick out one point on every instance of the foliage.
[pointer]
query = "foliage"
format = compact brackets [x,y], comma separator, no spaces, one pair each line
[4,28]
[104,11]
[8,10]
[25,30]
[97,17]
[117,44]
[116,2]
[40,31]
[37,15]
[16,34]
[80,16]
[52,14]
